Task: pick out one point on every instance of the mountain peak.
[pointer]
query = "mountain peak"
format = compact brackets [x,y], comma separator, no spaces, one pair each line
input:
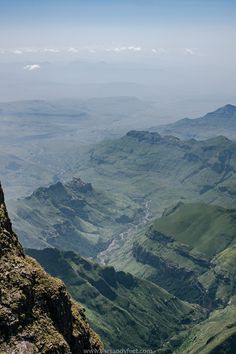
[228,107]
[8,240]
[221,121]
[1,194]
[226,111]
[80,185]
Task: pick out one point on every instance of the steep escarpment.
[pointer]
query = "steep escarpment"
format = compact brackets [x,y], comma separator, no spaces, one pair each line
[126,311]
[36,313]
[191,251]
[172,276]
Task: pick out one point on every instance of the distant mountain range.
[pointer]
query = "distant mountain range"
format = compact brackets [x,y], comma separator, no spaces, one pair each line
[47,138]
[54,136]
[165,169]
[220,122]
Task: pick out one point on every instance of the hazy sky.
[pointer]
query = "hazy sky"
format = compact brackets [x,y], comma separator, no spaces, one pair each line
[193,26]
[191,42]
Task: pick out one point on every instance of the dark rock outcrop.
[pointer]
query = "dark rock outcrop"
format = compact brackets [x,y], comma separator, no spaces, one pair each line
[37,315]
[79,184]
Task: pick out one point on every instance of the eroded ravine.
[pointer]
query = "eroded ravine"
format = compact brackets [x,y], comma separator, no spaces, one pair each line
[120,239]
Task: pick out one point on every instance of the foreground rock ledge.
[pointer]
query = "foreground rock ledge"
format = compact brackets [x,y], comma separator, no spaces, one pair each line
[36,313]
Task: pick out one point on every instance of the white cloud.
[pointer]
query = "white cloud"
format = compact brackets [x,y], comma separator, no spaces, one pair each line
[190,51]
[119,49]
[51,50]
[72,50]
[31,50]
[17,51]
[123,49]
[135,49]
[158,51]
[32,67]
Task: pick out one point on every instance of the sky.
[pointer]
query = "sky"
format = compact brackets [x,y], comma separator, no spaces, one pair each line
[190,43]
[58,24]
[112,12]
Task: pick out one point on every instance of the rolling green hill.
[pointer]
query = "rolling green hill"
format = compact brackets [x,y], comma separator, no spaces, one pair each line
[127,312]
[72,216]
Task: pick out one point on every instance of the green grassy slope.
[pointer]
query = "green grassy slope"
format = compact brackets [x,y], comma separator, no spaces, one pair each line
[206,229]
[190,251]
[74,216]
[216,335]
[126,311]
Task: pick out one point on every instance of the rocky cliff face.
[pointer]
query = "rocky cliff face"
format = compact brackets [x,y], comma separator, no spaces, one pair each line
[36,313]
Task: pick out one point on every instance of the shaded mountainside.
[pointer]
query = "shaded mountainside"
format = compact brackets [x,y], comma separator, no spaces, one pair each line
[220,122]
[72,216]
[127,312]
[190,251]
[36,313]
